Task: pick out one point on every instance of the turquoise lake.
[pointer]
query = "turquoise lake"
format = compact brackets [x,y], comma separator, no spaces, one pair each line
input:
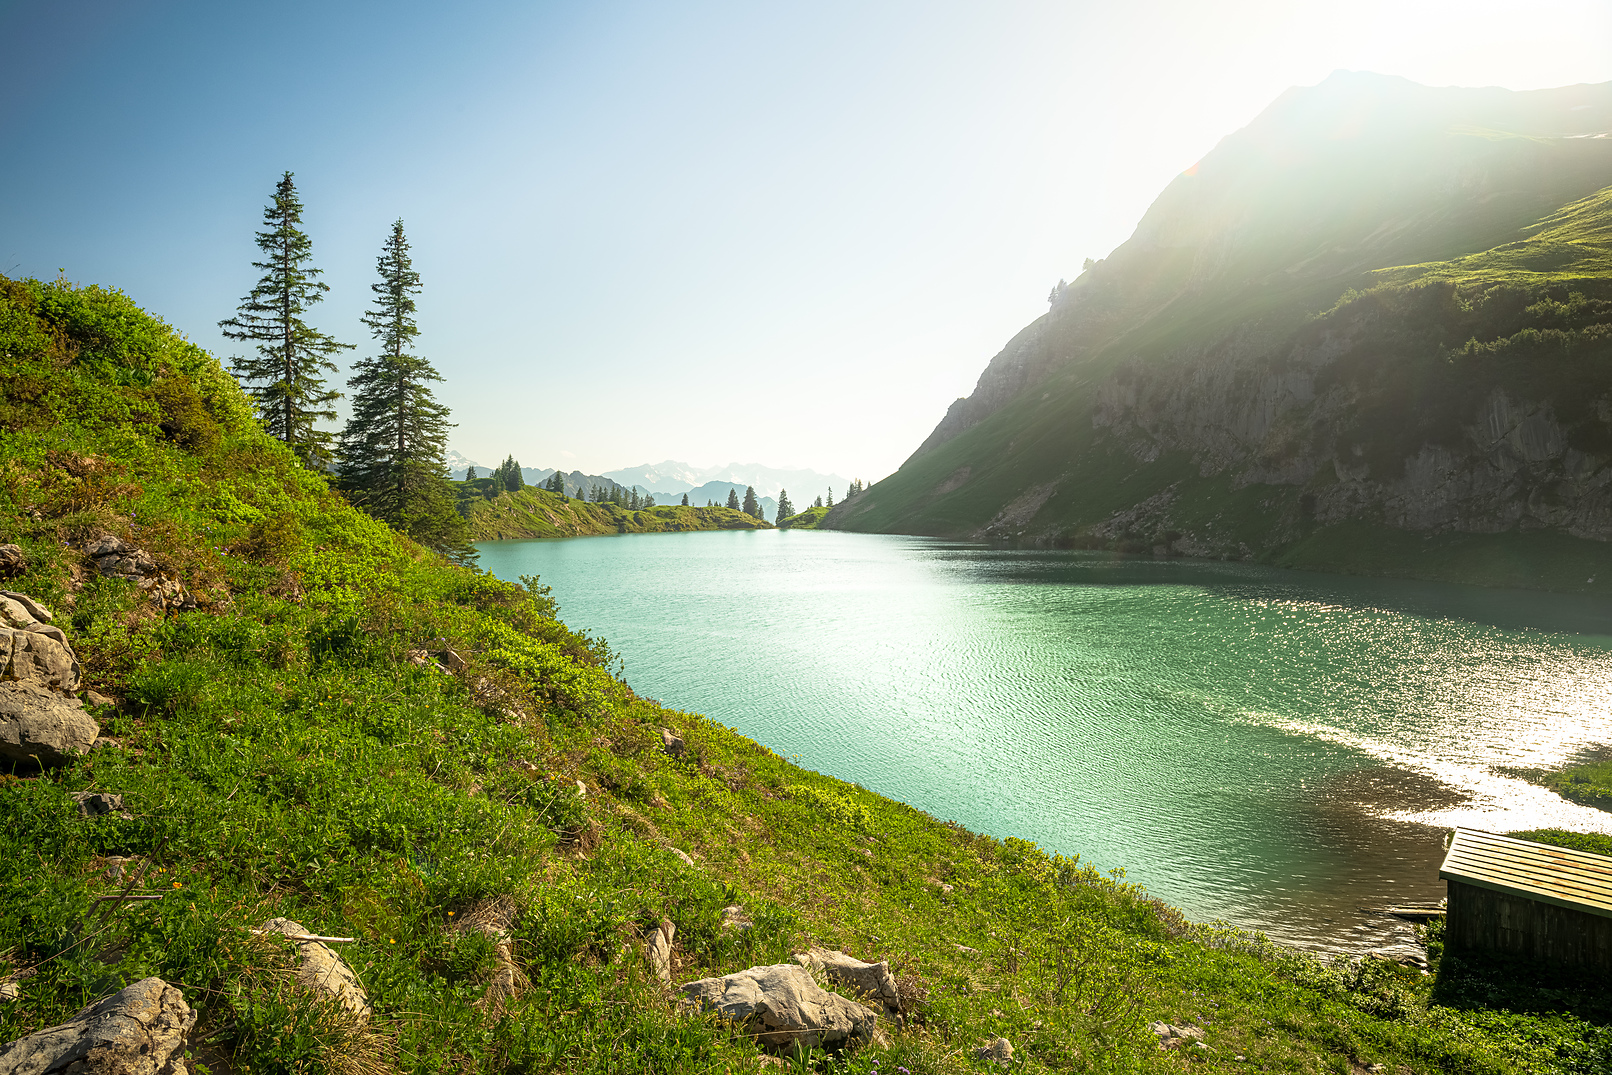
[1281,750]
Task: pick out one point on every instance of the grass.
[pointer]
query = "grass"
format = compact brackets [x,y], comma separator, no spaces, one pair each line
[805,520]
[1589,783]
[281,755]
[539,513]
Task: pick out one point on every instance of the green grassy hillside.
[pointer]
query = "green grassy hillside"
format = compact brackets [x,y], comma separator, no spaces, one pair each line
[284,748]
[805,520]
[1310,354]
[538,513]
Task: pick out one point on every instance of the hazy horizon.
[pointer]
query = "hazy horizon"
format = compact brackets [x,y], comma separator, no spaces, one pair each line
[707,233]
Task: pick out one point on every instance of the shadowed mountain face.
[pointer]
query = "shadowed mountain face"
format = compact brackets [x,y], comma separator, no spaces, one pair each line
[1378,306]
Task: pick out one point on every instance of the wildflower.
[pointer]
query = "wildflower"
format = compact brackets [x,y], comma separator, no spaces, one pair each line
[177,885]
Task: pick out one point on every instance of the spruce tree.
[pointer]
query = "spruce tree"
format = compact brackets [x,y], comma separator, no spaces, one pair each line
[391,454]
[785,508]
[285,378]
[470,474]
[509,474]
[733,499]
[831,496]
[752,506]
[685,500]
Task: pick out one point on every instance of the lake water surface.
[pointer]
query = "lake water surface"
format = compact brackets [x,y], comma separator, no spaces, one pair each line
[1282,750]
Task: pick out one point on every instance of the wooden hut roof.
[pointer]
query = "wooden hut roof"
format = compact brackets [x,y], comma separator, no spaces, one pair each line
[1574,879]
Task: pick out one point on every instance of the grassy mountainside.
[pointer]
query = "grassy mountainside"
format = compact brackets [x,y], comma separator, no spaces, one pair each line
[1371,332]
[284,749]
[538,513]
[805,520]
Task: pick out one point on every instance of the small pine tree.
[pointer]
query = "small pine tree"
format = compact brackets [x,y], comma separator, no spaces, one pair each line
[733,499]
[752,506]
[817,503]
[284,379]
[785,508]
[509,474]
[470,474]
[831,496]
[390,459]
[685,500]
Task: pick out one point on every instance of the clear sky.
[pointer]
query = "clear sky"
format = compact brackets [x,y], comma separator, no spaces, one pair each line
[782,232]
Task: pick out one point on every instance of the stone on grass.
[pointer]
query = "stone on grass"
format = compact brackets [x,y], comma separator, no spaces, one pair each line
[683,856]
[141,1030]
[321,970]
[671,743]
[36,723]
[784,1008]
[996,1051]
[12,561]
[733,917]
[100,804]
[1173,1037]
[33,608]
[31,650]
[1408,955]
[873,980]
[659,950]
[495,918]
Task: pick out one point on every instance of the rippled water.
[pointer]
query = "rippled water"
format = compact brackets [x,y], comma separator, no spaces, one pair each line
[1282,750]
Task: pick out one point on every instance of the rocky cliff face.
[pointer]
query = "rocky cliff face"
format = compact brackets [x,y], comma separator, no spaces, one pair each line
[1455,392]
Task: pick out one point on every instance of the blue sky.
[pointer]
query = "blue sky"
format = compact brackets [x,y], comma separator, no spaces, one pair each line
[779,232]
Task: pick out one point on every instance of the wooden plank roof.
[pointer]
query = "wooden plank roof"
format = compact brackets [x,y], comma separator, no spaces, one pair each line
[1573,879]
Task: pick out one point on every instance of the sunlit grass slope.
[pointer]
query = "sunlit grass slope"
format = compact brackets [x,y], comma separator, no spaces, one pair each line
[282,754]
[539,513]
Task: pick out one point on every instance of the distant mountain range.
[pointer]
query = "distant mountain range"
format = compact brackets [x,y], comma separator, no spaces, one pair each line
[667,481]
[674,477]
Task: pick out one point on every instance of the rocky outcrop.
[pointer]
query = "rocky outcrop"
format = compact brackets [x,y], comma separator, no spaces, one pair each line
[39,725]
[321,970]
[784,1008]
[39,720]
[115,558]
[141,1030]
[32,649]
[12,561]
[872,980]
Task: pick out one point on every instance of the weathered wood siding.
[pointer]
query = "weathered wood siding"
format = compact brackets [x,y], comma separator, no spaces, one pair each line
[1481,918]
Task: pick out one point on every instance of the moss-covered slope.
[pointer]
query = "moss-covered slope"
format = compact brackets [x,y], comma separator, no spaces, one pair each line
[286,750]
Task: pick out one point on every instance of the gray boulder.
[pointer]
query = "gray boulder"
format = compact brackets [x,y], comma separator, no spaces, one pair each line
[37,724]
[872,980]
[12,561]
[139,1031]
[671,743]
[321,970]
[784,1008]
[31,650]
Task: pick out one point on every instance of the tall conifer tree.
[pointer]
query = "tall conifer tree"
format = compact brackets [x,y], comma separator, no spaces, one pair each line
[785,508]
[285,378]
[752,506]
[391,453]
[733,499]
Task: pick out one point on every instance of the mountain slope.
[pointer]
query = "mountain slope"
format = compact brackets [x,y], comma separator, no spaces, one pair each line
[1349,338]
[320,720]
